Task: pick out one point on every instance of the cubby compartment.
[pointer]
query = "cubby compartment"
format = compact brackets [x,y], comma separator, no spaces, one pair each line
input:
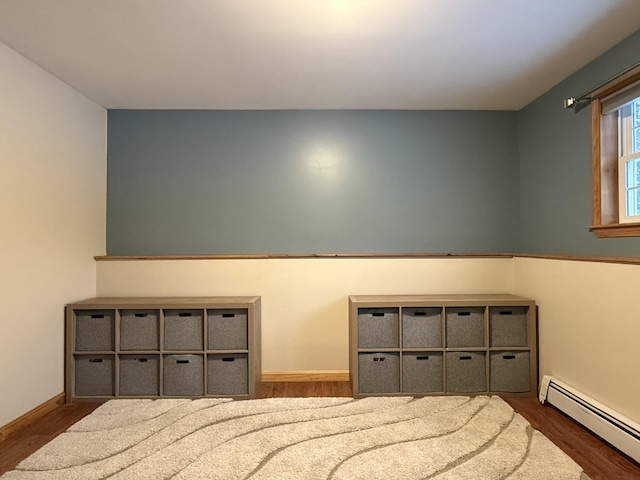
[139,330]
[466,372]
[421,327]
[378,328]
[422,372]
[95,330]
[94,375]
[227,329]
[183,329]
[139,375]
[227,374]
[465,327]
[509,371]
[183,375]
[379,372]
[508,326]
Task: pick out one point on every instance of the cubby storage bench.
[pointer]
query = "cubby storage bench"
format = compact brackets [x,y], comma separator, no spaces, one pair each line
[156,347]
[442,345]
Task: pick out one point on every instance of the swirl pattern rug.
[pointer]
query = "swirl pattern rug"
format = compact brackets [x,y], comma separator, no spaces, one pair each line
[479,438]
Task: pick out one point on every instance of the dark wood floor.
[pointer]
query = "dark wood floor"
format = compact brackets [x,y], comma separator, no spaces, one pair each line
[599,460]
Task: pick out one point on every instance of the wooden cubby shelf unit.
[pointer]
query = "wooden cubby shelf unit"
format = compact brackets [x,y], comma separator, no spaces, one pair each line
[443,345]
[156,347]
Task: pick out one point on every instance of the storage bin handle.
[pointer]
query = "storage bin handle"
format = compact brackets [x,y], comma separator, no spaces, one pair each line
[185,314]
[377,314]
[97,315]
[142,360]
[140,314]
[420,314]
[423,357]
[228,359]
[182,361]
[506,312]
[464,314]
[378,359]
[466,357]
[228,315]
[509,357]
[95,360]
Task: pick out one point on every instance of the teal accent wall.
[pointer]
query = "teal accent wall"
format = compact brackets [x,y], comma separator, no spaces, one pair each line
[555,165]
[224,182]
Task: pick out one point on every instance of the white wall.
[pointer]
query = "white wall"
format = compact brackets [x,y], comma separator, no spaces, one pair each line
[589,330]
[305,313]
[589,326]
[52,206]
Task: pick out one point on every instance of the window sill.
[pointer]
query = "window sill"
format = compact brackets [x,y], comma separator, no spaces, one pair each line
[616,230]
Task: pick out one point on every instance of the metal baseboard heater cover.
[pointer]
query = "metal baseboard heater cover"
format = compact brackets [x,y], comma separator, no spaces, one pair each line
[620,431]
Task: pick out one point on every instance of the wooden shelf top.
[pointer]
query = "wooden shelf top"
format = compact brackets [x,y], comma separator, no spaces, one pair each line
[466,300]
[165,302]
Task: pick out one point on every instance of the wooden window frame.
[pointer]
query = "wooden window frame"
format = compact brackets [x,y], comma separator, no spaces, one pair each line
[605,221]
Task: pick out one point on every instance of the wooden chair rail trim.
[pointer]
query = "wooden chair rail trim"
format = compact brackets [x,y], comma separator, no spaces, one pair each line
[582,258]
[577,258]
[268,256]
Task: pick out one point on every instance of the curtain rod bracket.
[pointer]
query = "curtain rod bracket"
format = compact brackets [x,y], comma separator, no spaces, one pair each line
[579,102]
[576,103]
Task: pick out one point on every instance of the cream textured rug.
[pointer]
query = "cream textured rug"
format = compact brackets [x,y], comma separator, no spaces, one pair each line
[478,438]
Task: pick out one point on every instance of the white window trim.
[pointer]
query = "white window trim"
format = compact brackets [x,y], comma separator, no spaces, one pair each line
[625,142]
[622,188]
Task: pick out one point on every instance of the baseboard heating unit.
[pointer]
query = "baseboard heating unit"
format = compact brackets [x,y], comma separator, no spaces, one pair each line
[620,431]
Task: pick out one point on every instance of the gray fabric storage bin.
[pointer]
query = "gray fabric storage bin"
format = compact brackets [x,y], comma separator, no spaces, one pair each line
[421,327]
[378,328]
[227,374]
[379,372]
[95,330]
[139,375]
[183,375]
[94,375]
[465,327]
[139,330]
[509,372]
[227,329]
[183,329]
[422,372]
[466,372]
[508,326]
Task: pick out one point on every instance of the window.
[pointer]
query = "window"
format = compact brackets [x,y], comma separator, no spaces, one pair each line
[629,162]
[615,120]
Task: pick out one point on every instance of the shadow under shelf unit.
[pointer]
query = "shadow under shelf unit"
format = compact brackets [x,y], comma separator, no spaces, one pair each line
[157,347]
[421,345]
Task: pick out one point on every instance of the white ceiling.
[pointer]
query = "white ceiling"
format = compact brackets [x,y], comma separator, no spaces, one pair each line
[315,54]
